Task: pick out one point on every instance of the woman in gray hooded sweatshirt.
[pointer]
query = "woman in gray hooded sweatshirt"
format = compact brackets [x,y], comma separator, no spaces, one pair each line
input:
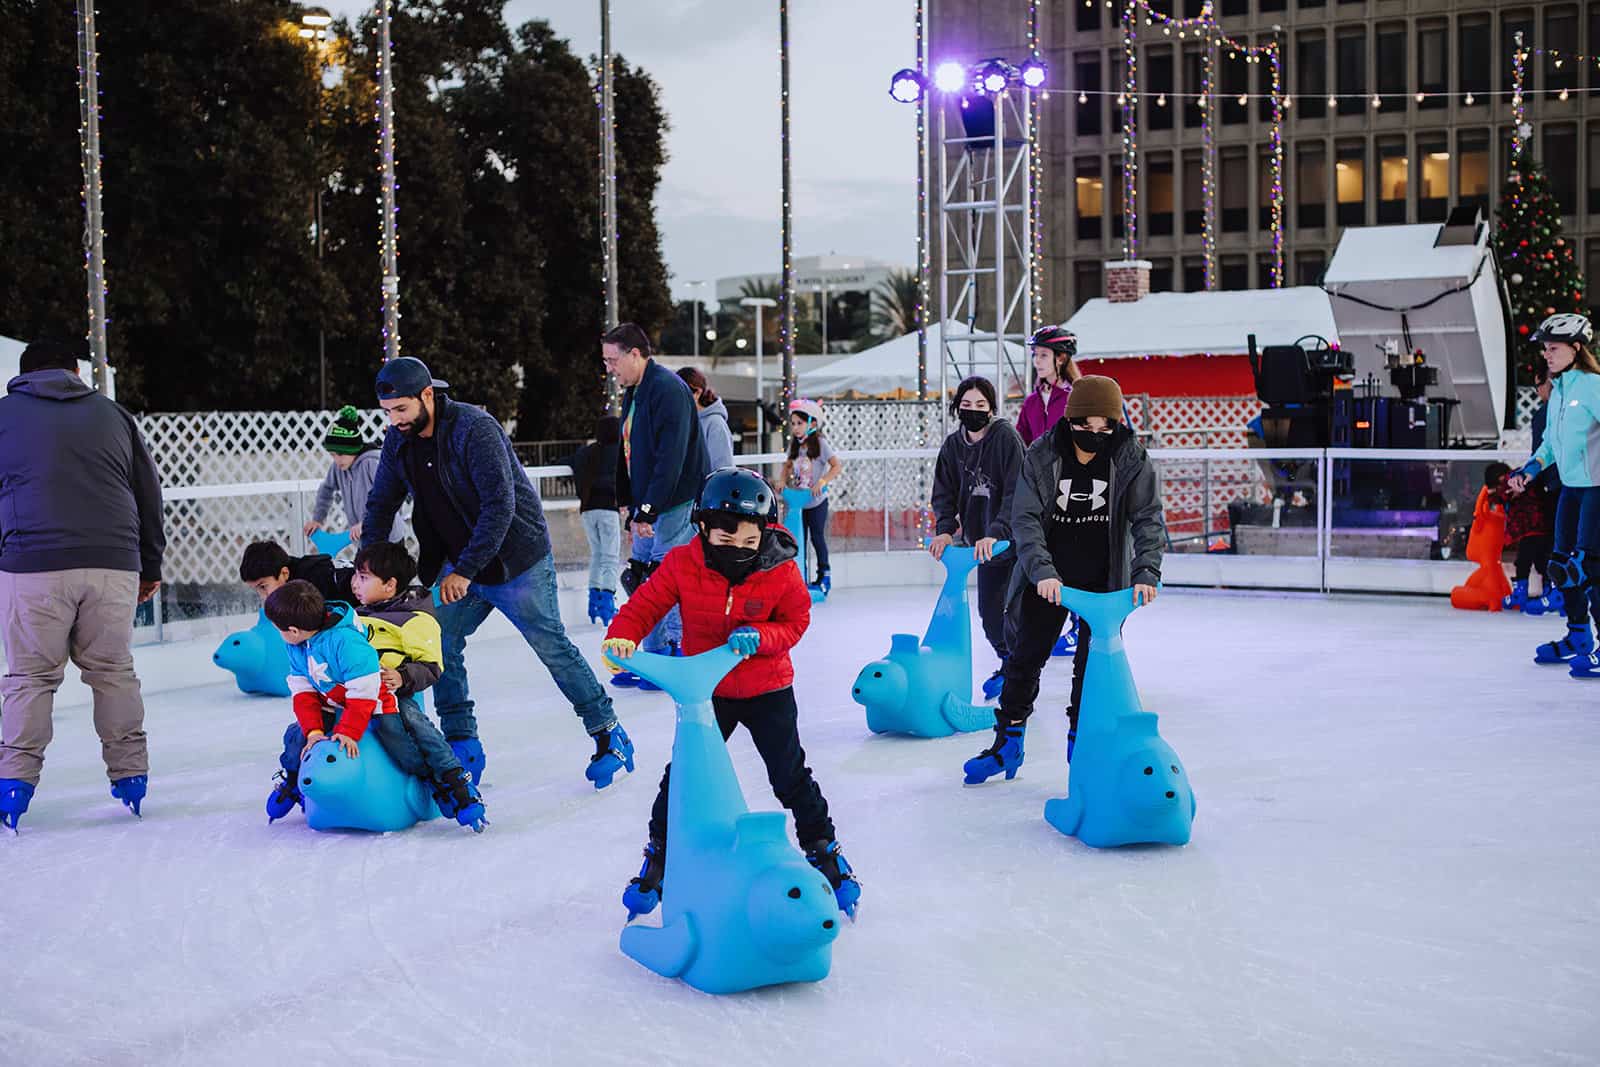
[713,414]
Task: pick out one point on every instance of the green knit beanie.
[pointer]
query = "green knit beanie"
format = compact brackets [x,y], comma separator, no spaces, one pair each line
[344,436]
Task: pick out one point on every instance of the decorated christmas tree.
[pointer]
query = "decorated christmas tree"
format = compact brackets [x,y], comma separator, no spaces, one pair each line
[1540,269]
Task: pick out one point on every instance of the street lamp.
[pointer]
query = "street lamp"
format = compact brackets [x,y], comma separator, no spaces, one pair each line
[696,285]
[759,302]
[314,23]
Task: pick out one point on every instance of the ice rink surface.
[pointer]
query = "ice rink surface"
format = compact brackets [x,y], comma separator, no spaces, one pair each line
[1395,861]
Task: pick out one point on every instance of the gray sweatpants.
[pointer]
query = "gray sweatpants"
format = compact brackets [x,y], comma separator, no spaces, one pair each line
[45,619]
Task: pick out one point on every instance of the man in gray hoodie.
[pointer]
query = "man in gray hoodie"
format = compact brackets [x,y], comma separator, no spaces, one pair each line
[81,543]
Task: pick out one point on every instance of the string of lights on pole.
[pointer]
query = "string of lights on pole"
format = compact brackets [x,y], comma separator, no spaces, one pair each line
[1035,165]
[1521,130]
[924,251]
[389,242]
[786,317]
[93,221]
[605,104]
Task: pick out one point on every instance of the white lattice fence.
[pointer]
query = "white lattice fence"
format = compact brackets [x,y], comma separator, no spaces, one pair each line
[229,447]
[1527,404]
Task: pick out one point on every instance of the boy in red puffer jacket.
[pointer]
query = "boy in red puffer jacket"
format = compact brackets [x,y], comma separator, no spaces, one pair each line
[737,584]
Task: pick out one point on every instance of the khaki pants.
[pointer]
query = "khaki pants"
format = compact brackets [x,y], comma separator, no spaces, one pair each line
[45,619]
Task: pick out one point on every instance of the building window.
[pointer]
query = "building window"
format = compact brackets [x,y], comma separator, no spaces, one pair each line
[1592,292]
[1392,175]
[1088,16]
[1194,274]
[1311,3]
[1233,273]
[1351,59]
[1091,195]
[1473,63]
[1264,188]
[1433,175]
[1594,175]
[1390,61]
[1233,188]
[1235,79]
[1311,186]
[1160,205]
[1308,268]
[1511,24]
[1086,280]
[1472,168]
[1311,73]
[1161,275]
[1561,32]
[1350,182]
[1089,124]
[1194,195]
[1433,64]
[1192,8]
[1190,107]
[1561,165]
[1270,5]
[1157,89]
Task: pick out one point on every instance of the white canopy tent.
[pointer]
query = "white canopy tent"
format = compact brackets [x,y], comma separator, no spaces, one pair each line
[1204,323]
[891,368]
[11,366]
[1401,283]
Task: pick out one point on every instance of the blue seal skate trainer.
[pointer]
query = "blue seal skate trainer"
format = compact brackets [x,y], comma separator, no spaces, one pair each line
[131,791]
[365,793]
[645,685]
[257,658]
[923,687]
[1004,755]
[1125,785]
[744,909]
[330,542]
[794,506]
[613,752]
[14,797]
[1578,642]
[644,892]
[469,751]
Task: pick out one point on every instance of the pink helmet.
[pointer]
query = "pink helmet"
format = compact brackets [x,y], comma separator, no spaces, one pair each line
[809,408]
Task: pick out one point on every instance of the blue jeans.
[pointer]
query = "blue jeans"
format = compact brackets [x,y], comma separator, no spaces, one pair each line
[1578,530]
[603,529]
[672,529]
[816,520]
[529,601]
[408,736]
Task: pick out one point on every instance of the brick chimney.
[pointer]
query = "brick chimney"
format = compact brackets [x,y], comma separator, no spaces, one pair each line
[1127,280]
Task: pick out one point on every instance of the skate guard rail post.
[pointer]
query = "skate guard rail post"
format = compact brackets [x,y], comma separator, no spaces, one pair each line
[1194,481]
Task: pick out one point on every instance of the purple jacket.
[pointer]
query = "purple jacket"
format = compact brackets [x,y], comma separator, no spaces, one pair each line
[1035,420]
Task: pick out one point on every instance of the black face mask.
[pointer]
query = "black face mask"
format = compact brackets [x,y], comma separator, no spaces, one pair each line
[1067,435]
[732,562]
[973,420]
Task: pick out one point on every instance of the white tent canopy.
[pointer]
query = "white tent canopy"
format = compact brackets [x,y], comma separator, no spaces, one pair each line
[1391,281]
[892,366]
[1204,323]
[11,366]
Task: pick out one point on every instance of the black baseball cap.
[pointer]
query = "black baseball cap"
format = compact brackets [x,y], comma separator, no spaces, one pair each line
[406,376]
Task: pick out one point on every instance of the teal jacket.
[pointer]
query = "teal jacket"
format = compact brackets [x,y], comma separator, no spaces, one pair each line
[1572,430]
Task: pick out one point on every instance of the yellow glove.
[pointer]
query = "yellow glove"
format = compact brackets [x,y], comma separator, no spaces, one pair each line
[616,648]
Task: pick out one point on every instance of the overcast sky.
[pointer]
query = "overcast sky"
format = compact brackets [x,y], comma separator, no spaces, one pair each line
[716,62]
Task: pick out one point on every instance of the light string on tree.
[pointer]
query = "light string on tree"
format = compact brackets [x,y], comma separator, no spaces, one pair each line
[389,247]
[93,220]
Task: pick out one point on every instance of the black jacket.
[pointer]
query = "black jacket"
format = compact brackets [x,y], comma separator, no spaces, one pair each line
[973,484]
[1138,526]
[664,463]
[594,468]
[77,486]
[481,475]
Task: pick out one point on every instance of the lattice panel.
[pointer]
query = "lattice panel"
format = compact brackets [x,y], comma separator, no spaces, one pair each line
[228,447]
[1527,404]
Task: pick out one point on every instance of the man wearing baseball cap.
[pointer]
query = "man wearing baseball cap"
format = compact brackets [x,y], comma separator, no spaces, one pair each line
[482,533]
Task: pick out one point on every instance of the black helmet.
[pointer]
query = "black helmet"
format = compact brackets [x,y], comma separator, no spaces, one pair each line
[1572,328]
[1056,338]
[736,491]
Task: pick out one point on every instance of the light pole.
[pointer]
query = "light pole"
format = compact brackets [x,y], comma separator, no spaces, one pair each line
[391,269]
[694,286]
[759,302]
[94,250]
[314,22]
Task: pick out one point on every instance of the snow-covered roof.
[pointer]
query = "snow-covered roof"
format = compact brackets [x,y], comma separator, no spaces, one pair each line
[892,366]
[1186,324]
[1400,253]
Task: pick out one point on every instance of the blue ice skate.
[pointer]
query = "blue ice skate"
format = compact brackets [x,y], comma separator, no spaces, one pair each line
[469,750]
[613,752]
[131,791]
[1004,755]
[744,909]
[1578,642]
[14,797]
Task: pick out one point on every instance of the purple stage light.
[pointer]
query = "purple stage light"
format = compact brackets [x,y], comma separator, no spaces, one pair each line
[1033,73]
[907,86]
[950,76]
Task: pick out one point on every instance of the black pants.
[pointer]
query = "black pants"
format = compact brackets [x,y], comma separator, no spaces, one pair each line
[771,720]
[1533,554]
[815,519]
[1032,626]
[993,579]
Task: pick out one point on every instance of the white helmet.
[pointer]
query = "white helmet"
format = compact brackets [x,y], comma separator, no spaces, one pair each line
[1569,327]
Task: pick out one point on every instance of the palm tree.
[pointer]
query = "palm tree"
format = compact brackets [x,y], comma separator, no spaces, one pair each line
[896,300]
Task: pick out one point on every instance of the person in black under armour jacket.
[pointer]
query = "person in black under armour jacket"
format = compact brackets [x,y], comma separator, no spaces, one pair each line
[1086,514]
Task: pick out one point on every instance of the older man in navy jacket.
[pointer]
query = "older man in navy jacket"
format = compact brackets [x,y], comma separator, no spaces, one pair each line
[481,529]
[660,470]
